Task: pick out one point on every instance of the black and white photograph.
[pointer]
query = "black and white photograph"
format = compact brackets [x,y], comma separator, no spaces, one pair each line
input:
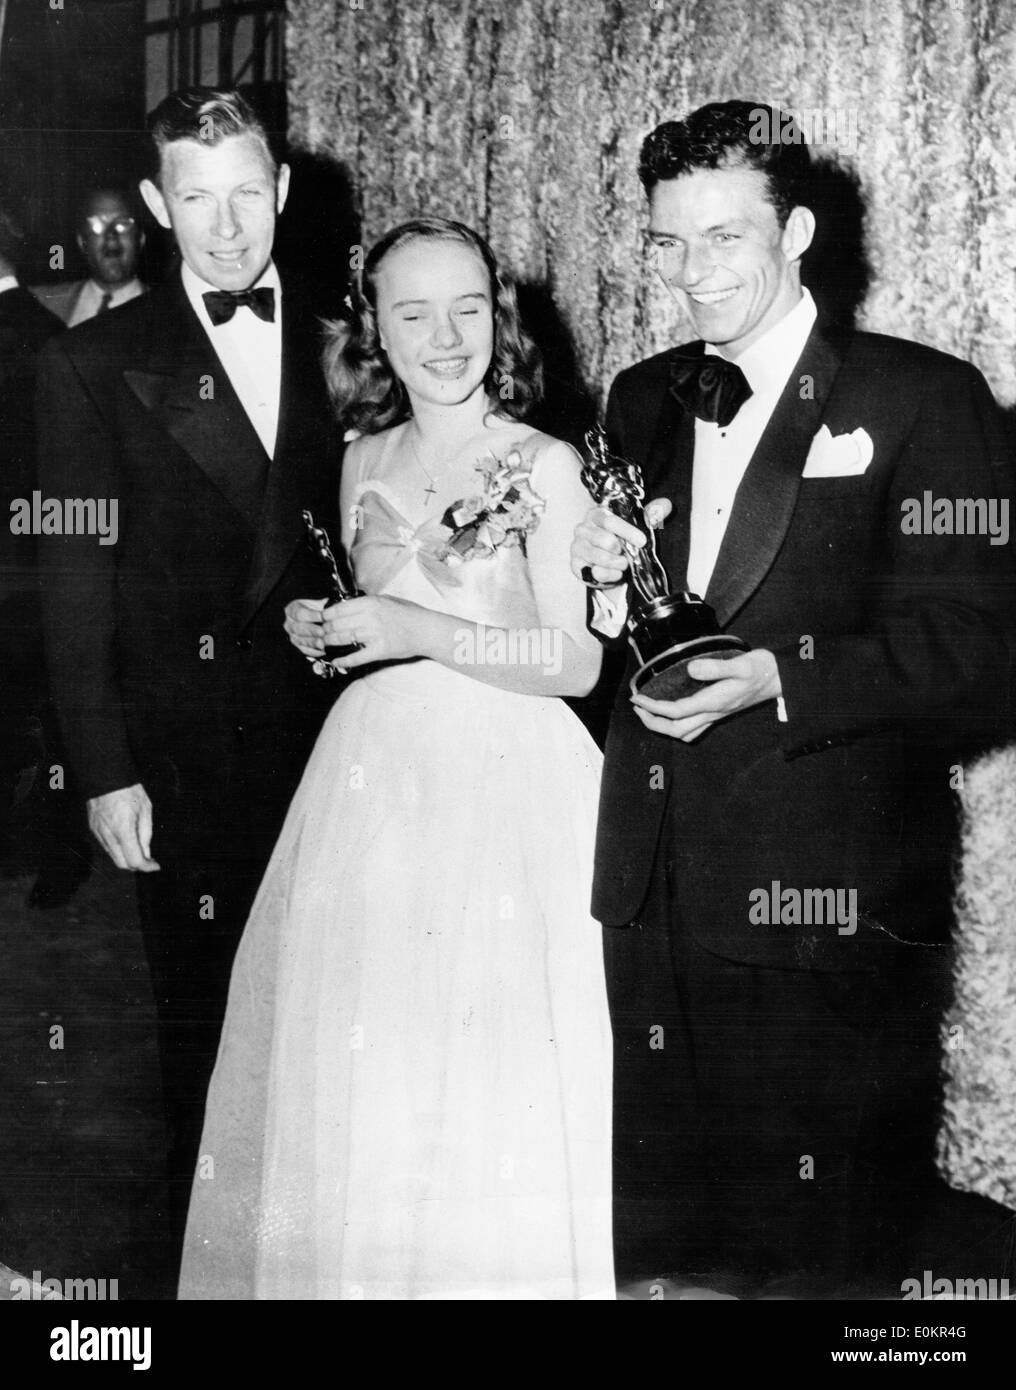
[508,664]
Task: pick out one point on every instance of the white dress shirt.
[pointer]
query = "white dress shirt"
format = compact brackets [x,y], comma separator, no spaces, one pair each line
[8,282]
[722,456]
[89,301]
[250,351]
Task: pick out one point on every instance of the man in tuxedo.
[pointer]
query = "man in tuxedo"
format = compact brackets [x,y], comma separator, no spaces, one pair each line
[110,239]
[773,858]
[198,416]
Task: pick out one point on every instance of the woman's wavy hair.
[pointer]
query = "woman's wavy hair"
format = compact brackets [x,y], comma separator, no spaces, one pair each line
[367,394]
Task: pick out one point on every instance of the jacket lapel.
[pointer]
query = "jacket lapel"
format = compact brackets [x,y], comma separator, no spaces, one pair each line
[305,463]
[186,389]
[669,474]
[766,498]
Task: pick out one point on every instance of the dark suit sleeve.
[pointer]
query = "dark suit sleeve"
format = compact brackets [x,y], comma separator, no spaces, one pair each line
[935,650]
[78,457]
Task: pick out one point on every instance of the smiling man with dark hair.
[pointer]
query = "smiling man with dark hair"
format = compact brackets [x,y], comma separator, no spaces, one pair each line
[775,1068]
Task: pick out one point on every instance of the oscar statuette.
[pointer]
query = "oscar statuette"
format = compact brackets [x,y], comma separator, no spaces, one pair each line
[666,630]
[336,591]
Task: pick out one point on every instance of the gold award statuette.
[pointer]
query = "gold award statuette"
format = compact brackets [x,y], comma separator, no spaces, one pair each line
[666,630]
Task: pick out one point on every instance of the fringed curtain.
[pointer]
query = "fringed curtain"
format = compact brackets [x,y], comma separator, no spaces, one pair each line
[524,118]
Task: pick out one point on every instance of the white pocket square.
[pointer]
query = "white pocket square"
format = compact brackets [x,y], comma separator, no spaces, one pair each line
[839,456]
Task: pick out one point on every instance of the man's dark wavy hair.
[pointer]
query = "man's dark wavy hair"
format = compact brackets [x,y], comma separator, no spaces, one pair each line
[207,114]
[732,134]
[367,394]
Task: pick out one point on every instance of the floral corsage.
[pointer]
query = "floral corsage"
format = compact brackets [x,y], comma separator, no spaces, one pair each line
[503,514]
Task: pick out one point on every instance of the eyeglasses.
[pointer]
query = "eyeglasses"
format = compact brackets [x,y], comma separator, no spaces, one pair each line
[121,225]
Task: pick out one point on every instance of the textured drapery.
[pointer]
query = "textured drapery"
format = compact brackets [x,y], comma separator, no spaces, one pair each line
[978,1142]
[524,118]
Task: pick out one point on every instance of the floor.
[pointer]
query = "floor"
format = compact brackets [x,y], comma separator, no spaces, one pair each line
[81,1194]
[81,1131]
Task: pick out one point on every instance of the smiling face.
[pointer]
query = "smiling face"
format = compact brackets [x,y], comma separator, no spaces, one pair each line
[221,202]
[719,249]
[435,319]
[110,239]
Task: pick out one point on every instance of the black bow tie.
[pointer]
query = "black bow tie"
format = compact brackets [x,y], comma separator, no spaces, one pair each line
[710,387]
[223,304]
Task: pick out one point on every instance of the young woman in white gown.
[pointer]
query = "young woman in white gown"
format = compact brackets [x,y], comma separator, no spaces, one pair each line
[412,1094]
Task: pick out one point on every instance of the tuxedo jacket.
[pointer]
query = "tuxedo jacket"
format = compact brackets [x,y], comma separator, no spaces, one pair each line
[167,655]
[893,652]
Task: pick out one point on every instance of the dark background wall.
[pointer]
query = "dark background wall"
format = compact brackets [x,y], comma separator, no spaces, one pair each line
[76,84]
[72,106]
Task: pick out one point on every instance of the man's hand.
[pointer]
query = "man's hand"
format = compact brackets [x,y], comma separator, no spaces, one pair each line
[304,619]
[598,538]
[121,821]
[734,685]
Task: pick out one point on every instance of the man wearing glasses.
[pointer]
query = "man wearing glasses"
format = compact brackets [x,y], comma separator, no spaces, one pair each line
[110,239]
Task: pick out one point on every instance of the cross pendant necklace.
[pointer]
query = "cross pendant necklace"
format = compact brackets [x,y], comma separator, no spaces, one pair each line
[428,492]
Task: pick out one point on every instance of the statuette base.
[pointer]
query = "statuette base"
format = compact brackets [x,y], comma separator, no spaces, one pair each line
[665,676]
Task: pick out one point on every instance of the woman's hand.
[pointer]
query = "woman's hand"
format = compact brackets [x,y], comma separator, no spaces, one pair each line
[387,629]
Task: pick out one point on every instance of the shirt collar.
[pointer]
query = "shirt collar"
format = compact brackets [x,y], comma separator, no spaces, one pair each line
[196,287]
[117,294]
[8,282]
[769,360]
